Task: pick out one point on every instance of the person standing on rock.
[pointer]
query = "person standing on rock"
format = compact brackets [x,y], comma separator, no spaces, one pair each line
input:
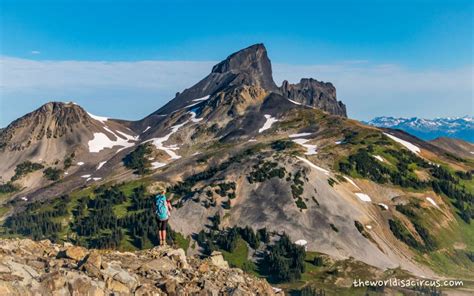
[162,210]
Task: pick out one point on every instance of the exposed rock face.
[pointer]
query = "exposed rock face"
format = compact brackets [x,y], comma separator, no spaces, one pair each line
[52,120]
[251,65]
[43,268]
[321,95]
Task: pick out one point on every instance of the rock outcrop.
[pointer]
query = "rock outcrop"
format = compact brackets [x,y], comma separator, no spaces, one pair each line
[43,268]
[318,94]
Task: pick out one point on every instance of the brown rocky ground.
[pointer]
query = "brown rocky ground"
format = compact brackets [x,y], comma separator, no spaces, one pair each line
[43,268]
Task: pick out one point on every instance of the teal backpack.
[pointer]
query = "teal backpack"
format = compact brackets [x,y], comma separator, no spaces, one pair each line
[161,207]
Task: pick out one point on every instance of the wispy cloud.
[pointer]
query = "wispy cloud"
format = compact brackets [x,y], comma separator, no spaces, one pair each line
[35,52]
[134,89]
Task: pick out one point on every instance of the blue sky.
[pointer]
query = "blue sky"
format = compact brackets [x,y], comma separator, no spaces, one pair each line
[401,58]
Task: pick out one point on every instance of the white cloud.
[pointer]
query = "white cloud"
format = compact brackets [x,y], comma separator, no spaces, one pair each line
[35,52]
[367,89]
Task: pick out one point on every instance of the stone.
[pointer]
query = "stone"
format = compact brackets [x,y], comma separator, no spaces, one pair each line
[4,269]
[160,264]
[147,290]
[125,278]
[180,257]
[94,259]
[75,253]
[117,286]
[169,286]
[54,282]
[82,285]
[218,260]
[203,268]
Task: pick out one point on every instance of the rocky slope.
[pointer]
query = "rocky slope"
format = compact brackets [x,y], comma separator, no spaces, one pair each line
[62,136]
[457,147]
[43,268]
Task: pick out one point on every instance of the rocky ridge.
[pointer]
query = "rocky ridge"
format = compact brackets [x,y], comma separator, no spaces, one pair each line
[43,268]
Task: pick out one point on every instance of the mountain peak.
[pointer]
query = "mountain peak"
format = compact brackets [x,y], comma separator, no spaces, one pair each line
[253,62]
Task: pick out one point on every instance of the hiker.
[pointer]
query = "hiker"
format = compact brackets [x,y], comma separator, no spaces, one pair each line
[162,210]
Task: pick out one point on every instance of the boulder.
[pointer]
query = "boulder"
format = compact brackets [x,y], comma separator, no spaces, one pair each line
[75,253]
[218,260]
[116,286]
[180,256]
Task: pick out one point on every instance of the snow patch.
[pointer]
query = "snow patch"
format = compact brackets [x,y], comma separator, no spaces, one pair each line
[193,117]
[311,148]
[432,202]
[301,242]
[147,128]
[127,136]
[368,226]
[98,118]
[295,102]
[407,144]
[158,142]
[97,178]
[313,165]
[196,153]
[268,124]
[338,142]
[383,206]
[363,197]
[201,99]
[252,140]
[102,141]
[80,163]
[379,158]
[24,198]
[101,164]
[157,164]
[85,176]
[299,135]
[351,181]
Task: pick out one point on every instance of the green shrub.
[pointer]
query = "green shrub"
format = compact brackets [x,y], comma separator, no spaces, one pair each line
[52,174]
[25,168]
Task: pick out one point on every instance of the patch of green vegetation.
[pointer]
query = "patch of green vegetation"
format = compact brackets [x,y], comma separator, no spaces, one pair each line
[402,233]
[101,217]
[297,188]
[25,168]
[225,189]
[280,145]
[184,188]
[238,257]
[401,172]
[181,241]
[361,229]
[333,227]
[68,161]
[8,187]
[52,174]
[137,159]
[265,170]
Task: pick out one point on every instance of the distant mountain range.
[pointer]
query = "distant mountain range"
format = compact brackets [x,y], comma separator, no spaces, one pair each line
[429,129]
